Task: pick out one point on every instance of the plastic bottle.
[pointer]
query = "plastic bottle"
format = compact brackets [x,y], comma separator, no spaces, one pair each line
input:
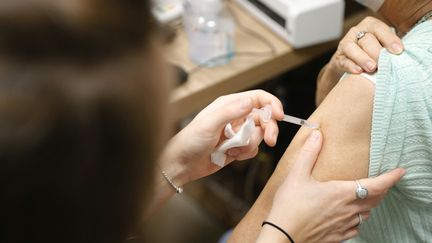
[210,28]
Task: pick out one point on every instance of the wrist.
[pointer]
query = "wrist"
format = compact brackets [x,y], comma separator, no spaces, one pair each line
[286,222]
[171,162]
[271,234]
[333,69]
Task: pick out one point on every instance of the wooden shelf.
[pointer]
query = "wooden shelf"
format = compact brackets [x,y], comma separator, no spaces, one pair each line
[242,72]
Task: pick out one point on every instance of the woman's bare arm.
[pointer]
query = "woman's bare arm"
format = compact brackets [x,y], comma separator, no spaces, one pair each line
[345,120]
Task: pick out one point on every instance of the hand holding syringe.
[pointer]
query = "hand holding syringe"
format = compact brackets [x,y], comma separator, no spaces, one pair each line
[242,137]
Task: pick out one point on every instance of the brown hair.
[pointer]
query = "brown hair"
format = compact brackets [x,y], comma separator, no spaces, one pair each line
[77,129]
[73,28]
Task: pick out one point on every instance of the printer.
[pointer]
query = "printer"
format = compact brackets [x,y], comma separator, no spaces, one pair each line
[300,22]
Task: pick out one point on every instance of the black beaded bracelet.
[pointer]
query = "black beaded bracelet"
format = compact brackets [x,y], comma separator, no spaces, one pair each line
[279,228]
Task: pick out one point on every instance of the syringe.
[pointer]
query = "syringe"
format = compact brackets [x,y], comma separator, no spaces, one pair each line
[299,121]
[266,113]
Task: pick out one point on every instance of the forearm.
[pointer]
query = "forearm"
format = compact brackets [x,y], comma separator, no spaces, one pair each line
[169,162]
[345,118]
[161,193]
[327,79]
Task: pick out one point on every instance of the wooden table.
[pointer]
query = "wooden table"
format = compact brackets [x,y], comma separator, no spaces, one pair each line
[242,72]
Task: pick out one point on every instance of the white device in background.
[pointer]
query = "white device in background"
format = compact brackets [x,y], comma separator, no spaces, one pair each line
[167,11]
[300,22]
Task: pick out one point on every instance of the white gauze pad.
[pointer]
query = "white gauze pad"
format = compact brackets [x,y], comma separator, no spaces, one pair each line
[239,139]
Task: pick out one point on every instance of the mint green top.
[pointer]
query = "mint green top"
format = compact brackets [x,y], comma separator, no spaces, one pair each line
[402,137]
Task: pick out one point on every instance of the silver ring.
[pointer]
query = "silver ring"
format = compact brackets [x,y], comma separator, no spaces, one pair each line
[360,35]
[361,192]
[360,219]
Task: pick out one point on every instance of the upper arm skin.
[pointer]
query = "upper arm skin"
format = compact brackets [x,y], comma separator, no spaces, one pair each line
[345,121]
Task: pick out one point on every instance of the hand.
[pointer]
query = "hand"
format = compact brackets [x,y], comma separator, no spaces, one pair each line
[356,56]
[188,153]
[312,211]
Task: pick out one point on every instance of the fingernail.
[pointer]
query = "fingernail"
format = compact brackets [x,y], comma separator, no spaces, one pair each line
[370,66]
[358,69]
[246,104]
[315,135]
[396,48]
[234,152]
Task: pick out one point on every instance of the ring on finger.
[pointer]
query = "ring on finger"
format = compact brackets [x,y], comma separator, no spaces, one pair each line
[360,35]
[361,192]
[360,217]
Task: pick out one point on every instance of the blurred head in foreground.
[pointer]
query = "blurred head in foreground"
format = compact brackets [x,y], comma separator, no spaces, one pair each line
[79,80]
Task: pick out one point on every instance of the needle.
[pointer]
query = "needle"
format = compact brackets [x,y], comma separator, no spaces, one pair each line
[266,114]
[299,121]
